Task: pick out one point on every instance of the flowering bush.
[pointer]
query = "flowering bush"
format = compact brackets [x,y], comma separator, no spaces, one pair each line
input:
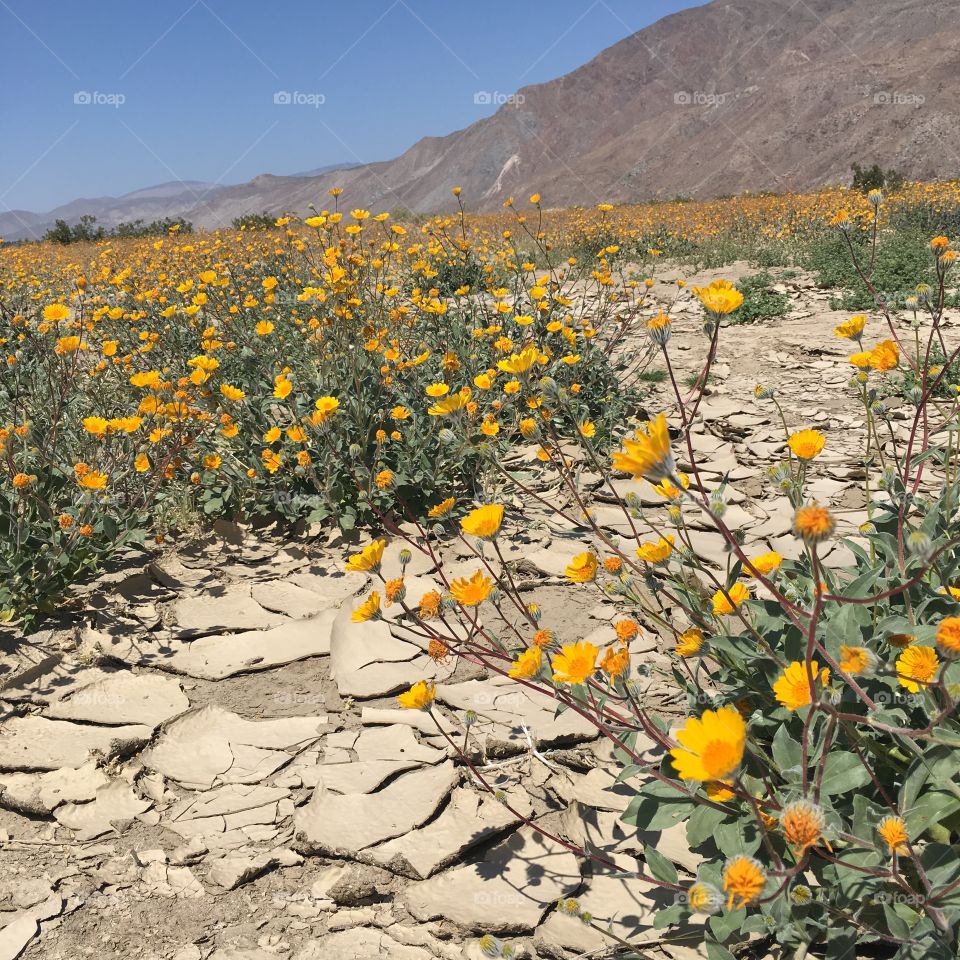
[816,772]
[150,383]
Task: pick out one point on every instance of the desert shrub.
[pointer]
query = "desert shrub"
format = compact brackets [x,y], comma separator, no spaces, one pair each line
[902,261]
[458,272]
[875,177]
[155,228]
[760,300]
[84,230]
[254,221]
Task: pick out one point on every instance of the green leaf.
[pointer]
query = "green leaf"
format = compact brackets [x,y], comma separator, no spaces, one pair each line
[895,923]
[651,813]
[717,952]
[931,808]
[855,884]
[737,836]
[668,917]
[787,752]
[841,944]
[843,772]
[724,925]
[939,763]
[702,824]
[660,866]
[755,923]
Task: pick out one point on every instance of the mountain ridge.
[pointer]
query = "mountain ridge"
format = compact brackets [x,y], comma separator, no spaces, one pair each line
[730,96]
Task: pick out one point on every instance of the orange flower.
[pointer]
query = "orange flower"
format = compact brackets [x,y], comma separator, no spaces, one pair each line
[893,832]
[542,638]
[54,312]
[648,454]
[806,444]
[656,553]
[813,523]
[368,559]
[575,663]
[368,610]
[885,356]
[711,745]
[394,590]
[948,636]
[857,661]
[582,568]
[526,665]
[615,661]
[483,522]
[473,591]
[743,881]
[725,602]
[93,480]
[766,563]
[689,642]
[430,604]
[792,690]
[917,667]
[802,823]
[720,298]
[437,650]
[441,509]
[419,697]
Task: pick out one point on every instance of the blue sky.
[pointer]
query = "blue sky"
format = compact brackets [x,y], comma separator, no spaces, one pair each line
[107,97]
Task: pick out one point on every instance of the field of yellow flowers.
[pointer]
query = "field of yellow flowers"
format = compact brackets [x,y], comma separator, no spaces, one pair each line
[311,371]
[421,380]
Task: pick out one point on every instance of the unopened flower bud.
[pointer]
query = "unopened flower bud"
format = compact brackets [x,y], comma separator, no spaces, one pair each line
[490,946]
[919,543]
[801,894]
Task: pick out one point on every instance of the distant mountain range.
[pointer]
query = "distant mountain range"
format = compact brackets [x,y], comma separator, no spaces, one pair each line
[735,95]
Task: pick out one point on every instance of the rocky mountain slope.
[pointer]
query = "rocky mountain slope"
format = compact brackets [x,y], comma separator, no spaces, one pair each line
[732,96]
